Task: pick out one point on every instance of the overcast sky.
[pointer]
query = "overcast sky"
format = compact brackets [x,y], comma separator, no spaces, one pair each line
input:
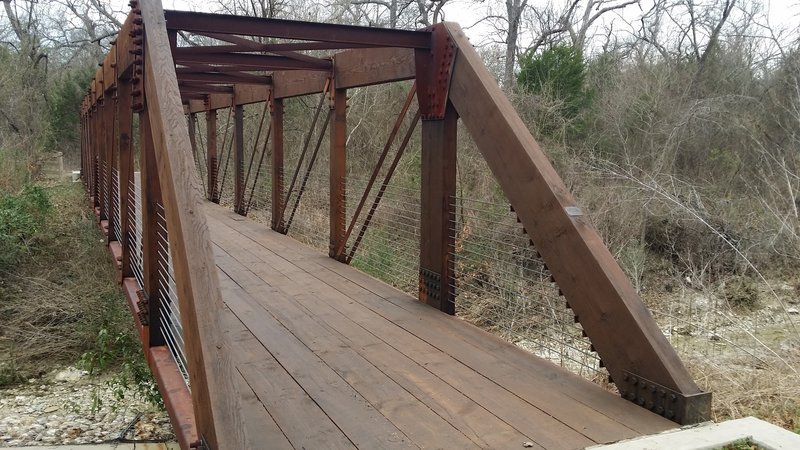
[468,13]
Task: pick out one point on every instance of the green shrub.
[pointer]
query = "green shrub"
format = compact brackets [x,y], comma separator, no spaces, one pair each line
[63,118]
[22,216]
[558,73]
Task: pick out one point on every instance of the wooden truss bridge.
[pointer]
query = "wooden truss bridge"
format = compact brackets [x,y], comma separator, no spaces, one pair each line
[260,341]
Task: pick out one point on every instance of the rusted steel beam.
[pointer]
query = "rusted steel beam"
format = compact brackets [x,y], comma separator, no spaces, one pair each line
[215,397]
[371,66]
[211,156]
[126,172]
[190,122]
[295,83]
[352,68]
[238,159]
[338,170]
[177,398]
[289,29]
[612,314]
[220,68]
[256,46]
[222,78]
[277,165]
[438,190]
[197,87]
[257,62]
[244,94]
[279,47]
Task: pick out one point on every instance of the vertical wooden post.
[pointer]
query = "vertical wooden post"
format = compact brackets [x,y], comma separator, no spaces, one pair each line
[112,142]
[277,165]
[95,146]
[190,121]
[104,165]
[238,159]
[125,117]
[437,236]
[151,197]
[338,167]
[211,155]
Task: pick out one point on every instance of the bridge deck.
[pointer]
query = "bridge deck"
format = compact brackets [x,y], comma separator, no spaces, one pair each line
[329,357]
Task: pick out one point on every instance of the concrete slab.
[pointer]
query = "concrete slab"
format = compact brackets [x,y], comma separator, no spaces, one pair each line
[714,436]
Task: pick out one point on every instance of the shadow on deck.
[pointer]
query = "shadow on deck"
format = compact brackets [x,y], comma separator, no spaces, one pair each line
[329,357]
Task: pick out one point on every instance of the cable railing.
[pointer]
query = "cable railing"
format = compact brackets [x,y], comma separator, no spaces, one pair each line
[168,309]
[116,227]
[501,284]
[389,246]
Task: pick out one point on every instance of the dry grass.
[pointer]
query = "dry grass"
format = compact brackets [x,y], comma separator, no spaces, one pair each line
[54,304]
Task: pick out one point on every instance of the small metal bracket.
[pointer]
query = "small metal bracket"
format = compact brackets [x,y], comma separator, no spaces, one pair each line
[143,305]
[200,444]
[430,284]
[681,408]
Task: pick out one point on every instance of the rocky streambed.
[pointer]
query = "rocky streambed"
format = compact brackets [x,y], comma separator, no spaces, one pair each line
[68,407]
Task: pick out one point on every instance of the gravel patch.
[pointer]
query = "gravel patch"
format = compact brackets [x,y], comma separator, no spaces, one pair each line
[68,407]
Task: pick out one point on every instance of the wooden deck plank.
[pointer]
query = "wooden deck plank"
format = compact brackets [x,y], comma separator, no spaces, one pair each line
[567,382]
[362,285]
[510,407]
[288,406]
[355,416]
[366,333]
[416,420]
[523,416]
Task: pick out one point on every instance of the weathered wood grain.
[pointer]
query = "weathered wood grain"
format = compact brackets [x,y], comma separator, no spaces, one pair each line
[214,393]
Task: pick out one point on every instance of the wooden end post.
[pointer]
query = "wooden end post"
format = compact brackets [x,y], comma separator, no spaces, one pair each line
[437,238]
[338,167]
[277,165]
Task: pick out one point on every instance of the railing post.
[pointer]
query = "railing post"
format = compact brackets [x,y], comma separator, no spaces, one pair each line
[338,164]
[94,144]
[277,165]
[151,198]
[106,155]
[112,142]
[238,159]
[211,155]
[438,189]
[190,122]
[125,117]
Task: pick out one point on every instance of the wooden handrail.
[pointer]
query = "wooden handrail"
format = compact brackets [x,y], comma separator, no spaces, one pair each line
[619,325]
[214,394]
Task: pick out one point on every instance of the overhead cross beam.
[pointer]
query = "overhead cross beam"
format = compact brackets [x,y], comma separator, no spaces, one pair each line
[252,61]
[202,23]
